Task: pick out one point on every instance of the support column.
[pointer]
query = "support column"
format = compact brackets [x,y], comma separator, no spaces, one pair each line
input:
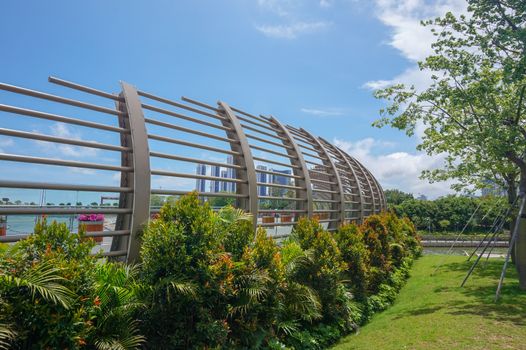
[250,188]
[139,200]
[298,160]
[350,167]
[336,175]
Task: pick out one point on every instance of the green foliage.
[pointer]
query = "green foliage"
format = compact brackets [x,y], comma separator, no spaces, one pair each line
[457,210]
[395,197]
[205,281]
[323,268]
[356,256]
[473,110]
[191,277]
[52,296]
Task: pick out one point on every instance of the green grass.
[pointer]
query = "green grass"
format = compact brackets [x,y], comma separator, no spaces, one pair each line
[433,312]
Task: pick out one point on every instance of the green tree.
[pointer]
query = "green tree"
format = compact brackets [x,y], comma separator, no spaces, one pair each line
[395,197]
[444,224]
[474,109]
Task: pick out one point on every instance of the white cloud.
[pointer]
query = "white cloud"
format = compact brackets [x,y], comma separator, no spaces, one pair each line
[279,7]
[323,112]
[61,130]
[6,142]
[409,37]
[325,3]
[293,30]
[173,183]
[399,170]
[82,171]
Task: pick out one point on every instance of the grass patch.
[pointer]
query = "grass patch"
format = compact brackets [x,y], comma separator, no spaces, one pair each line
[433,312]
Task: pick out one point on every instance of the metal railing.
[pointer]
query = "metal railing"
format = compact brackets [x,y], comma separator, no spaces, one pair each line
[276,172]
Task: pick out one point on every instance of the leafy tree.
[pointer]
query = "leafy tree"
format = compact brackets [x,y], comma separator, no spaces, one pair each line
[474,109]
[219,202]
[395,197]
[444,224]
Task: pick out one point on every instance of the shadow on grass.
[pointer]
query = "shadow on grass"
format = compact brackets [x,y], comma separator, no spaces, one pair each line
[477,296]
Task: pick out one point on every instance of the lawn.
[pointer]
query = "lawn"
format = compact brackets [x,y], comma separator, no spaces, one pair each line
[433,312]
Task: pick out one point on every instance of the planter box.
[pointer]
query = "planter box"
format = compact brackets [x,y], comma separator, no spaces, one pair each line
[3,229]
[286,218]
[93,226]
[268,219]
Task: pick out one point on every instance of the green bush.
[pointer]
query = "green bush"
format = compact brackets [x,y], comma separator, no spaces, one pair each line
[356,256]
[52,295]
[205,281]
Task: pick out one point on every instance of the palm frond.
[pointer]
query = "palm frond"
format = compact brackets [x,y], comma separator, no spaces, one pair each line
[303,301]
[183,288]
[231,215]
[7,335]
[44,280]
[288,327]
[130,343]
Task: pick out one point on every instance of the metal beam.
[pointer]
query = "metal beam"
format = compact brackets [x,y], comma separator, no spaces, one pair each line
[302,170]
[139,200]
[245,160]
[341,197]
[349,166]
[361,169]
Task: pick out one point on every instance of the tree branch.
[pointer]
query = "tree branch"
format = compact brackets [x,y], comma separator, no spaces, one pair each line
[505,17]
[519,108]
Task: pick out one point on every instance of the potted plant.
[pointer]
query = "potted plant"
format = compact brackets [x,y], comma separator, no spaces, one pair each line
[92,223]
[3,225]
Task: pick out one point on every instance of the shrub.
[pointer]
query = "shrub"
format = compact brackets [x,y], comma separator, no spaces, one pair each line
[190,277]
[206,281]
[52,296]
[355,254]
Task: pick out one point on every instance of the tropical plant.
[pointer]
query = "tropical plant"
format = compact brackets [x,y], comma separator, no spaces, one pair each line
[53,294]
[117,304]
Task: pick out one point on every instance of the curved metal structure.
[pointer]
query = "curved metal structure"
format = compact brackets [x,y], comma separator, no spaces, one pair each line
[144,149]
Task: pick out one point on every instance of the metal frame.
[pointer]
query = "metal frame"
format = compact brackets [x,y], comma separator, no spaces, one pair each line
[302,171]
[322,177]
[245,160]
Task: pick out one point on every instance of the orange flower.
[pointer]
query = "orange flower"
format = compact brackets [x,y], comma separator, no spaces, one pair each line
[96,301]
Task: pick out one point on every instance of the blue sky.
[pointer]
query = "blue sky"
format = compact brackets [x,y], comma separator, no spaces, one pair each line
[309,63]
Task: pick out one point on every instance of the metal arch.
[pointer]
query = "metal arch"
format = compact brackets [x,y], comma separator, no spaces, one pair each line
[336,175]
[371,190]
[303,171]
[251,187]
[367,178]
[378,188]
[141,169]
[361,170]
[358,182]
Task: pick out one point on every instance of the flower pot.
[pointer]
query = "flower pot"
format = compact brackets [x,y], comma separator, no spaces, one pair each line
[268,219]
[93,226]
[286,218]
[3,229]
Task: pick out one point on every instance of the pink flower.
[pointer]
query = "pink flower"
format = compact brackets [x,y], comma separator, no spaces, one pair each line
[91,217]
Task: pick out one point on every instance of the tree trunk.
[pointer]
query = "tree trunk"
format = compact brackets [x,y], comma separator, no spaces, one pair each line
[512,196]
[520,243]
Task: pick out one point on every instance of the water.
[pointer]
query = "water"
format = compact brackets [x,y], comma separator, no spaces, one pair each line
[24,224]
[461,251]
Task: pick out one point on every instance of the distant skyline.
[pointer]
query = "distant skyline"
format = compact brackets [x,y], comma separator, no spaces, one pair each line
[311,64]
